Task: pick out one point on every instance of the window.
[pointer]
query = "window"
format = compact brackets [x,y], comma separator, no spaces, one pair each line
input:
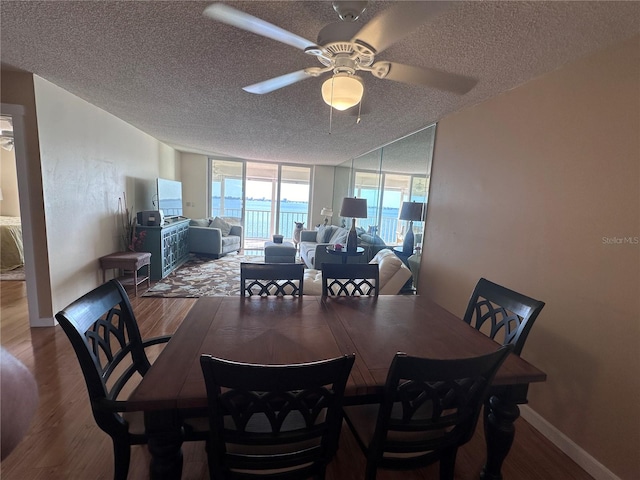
[267,197]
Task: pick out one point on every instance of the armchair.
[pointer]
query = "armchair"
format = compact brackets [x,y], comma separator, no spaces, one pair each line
[211,240]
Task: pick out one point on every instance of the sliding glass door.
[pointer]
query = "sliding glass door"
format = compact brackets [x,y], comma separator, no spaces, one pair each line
[261,195]
[294,198]
[227,195]
[268,198]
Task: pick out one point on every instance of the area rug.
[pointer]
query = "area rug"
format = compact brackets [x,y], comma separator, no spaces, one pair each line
[15,274]
[204,277]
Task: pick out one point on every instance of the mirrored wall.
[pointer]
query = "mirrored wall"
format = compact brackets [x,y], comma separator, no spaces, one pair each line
[388,176]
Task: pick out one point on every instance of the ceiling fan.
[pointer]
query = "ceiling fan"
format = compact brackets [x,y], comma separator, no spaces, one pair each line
[345,48]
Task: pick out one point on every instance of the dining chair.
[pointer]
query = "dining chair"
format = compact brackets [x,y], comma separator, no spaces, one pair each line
[429,409]
[106,338]
[358,279]
[500,312]
[265,279]
[274,421]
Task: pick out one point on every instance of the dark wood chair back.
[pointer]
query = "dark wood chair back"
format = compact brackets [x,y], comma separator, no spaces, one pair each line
[502,314]
[283,420]
[358,279]
[265,279]
[429,409]
[106,339]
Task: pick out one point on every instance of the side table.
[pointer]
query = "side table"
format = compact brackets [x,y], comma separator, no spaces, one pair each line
[344,253]
[128,262]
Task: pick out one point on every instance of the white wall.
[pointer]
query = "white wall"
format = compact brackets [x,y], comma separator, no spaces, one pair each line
[321,195]
[90,159]
[194,174]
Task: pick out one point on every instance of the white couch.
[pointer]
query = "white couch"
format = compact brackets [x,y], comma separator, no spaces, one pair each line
[313,245]
[393,275]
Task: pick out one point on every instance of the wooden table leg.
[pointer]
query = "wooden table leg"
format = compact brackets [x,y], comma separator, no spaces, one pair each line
[164,429]
[500,413]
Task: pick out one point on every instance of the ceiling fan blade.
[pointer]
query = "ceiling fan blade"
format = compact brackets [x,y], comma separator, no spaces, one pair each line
[277,82]
[396,22]
[430,77]
[231,16]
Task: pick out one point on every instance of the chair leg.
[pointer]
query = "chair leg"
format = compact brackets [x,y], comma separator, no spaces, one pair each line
[371,470]
[448,464]
[121,459]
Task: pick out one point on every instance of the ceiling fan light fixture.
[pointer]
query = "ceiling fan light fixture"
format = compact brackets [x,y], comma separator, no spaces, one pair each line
[342,91]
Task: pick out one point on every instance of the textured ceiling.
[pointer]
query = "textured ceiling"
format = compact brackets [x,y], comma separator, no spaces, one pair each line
[178,76]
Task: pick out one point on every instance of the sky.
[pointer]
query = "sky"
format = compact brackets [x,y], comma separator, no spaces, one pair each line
[255,189]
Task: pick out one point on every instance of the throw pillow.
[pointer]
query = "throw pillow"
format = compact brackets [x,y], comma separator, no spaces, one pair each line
[224,227]
[232,220]
[328,233]
[199,222]
[320,234]
[372,239]
[340,236]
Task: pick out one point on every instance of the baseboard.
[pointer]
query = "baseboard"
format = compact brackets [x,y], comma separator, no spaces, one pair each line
[592,466]
[43,322]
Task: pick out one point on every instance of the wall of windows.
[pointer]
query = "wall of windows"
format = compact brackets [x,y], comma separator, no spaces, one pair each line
[267,198]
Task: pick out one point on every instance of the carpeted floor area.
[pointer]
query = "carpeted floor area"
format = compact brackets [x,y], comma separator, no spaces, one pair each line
[204,277]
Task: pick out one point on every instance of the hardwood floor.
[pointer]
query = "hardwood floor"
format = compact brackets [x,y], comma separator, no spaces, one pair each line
[64,443]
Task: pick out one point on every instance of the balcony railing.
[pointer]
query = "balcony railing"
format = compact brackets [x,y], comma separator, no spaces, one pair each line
[257,224]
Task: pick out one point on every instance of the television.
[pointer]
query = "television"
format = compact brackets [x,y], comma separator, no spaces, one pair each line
[170,197]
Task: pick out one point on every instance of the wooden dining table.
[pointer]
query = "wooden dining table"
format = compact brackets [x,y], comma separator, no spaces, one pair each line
[276,330]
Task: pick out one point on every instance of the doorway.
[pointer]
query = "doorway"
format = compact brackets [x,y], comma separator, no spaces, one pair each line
[38,297]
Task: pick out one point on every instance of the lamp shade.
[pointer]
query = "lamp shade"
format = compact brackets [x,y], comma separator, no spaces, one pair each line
[411,211]
[327,212]
[342,91]
[354,207]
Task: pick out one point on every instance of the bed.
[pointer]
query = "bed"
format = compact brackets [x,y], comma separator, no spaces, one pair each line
[11,249]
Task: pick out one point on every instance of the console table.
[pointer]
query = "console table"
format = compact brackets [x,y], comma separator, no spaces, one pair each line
[168,245]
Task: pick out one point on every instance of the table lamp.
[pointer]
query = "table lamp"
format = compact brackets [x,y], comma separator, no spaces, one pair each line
[354,208]
[327,212]
[411,211]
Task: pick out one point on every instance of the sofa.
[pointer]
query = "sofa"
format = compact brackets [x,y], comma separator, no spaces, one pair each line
[313,245]
[394,274]
[215,236]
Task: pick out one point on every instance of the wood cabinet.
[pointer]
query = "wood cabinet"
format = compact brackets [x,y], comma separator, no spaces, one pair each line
[168,245]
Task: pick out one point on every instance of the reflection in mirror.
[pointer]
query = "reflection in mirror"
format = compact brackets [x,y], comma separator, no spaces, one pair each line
[388,176]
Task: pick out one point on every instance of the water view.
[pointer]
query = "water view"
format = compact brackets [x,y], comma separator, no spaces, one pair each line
[258,216]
